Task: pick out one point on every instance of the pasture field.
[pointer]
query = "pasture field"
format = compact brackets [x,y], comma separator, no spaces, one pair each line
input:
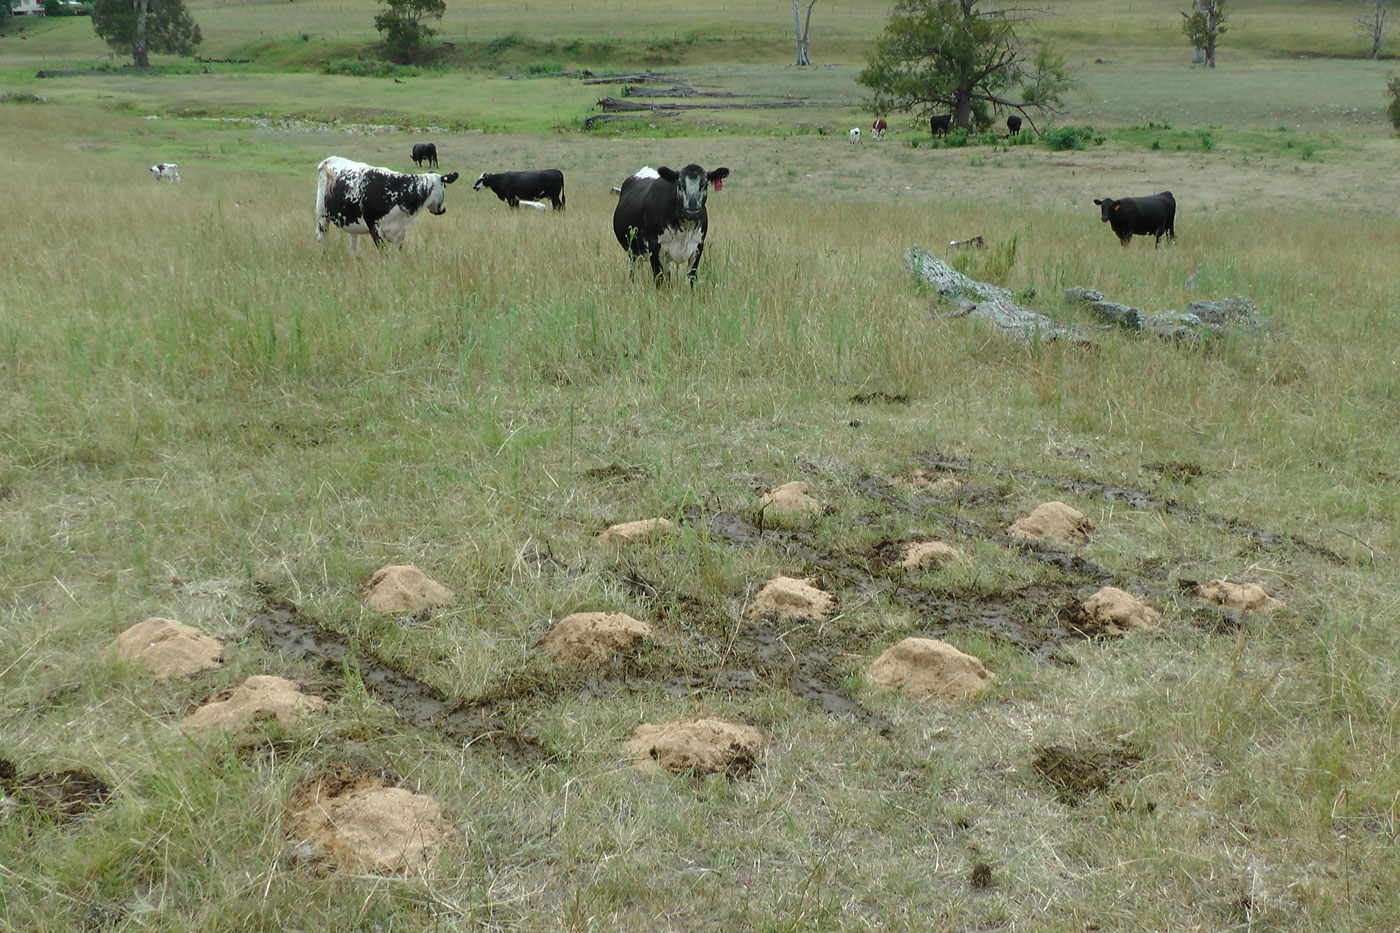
[204,418]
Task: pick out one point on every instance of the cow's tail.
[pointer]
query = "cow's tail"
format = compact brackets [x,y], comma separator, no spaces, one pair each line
[324,179]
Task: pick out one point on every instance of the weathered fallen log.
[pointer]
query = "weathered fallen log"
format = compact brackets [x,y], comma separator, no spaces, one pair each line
[622,105]
[1202,318]
[640,76]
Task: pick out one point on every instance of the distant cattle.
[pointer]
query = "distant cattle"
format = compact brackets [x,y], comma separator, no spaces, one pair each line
[515,187]
[1154,215]
[1013,125]
[661,214]
[877,129]
[165,171]
[362,199]
[425,152]
[939,124]
[854,134]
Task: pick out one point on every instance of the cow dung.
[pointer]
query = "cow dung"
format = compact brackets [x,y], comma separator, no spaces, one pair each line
[1056,521]
[921,554]
[404,588]
[353,820]
[791,598]
[258,697]
[632,532]
[790,500]
[1242,597]
[1115,611]
[169,649]
[696,745]
[925,668]
[594,637]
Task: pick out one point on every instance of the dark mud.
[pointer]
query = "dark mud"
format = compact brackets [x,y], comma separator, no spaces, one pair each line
[1075,773]
[810,674]
[879,398]
[61,795]
[617,471]
[476,724]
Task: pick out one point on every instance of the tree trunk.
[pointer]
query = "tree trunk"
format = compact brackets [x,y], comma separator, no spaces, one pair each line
[140,55]
[804,46]
[962,110]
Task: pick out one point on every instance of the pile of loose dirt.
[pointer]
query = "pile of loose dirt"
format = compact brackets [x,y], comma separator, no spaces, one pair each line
[790,500]
[1056,521]
[594,637]
[405,588]
[791,598]
[62,795]
[919,555]
[353,820]
[923,479]
[259,697]
[698,745]
[1114,611]
[1075,773]
[925,668]
[168,648]
[632,532]
[1242,597]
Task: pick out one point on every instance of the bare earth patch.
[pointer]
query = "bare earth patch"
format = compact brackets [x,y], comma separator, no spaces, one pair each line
[708,746]
[405,588]
[1115,611]
[62,795]
[791,598]
[1242,597]
[924,479]
[169,649]
[632,532]
[1056,521]
[919,555]
[259,697]
[791,500]
[594,637]
[925,668]
[357,821]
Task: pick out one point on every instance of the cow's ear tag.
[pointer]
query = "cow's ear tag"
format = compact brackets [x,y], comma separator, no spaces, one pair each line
[1115,207]
[719,183]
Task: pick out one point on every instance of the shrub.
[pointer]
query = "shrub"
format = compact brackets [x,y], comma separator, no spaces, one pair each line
[1392,110]
[956,138]
[1060,138]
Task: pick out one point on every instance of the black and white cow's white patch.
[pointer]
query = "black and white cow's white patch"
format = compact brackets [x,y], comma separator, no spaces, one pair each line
[165,171]
[661,214]
[381,202]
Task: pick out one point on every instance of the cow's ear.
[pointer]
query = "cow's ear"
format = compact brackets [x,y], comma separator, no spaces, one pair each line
[449,178]
[669,174]
[718,174]
[1097,202]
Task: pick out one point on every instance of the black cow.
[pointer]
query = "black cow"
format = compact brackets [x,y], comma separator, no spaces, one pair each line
[1013,125]
[362,199]
[661,214]
[425,152]
[1150,216]
[939,124]
[513,187]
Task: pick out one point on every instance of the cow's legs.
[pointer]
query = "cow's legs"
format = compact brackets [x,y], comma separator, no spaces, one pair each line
[658,272]
[695,263]
[557,202]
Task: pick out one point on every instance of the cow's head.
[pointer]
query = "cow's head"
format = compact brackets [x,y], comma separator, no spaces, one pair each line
[435,197]
[477,185]
[1106,208]
[692,186]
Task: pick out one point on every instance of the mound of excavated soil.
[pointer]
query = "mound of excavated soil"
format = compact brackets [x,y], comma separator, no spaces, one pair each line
[923,479]
[705,745]
[632,532]
[791,598]
[168,648]
[1056,521]
[920,555]
[594,637]
[1242,597]
[790,500]
[925,668]
[1114,611]
[358,821]
[405,588]
[258,697]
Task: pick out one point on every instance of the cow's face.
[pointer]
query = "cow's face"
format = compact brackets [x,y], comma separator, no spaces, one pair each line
[1106,208]
[692,187]
[439,193]
[476,185]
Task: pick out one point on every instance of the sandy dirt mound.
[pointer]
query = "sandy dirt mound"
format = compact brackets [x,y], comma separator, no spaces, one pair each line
[258,697]
[790,500]
[925,668]
[594,637]
[358,821]
[1056,521]
[791,598]
[930,555]
[703,745]
[1242,597]
[632,532]
[169,649]
[1114,611]
[926,480]
[405,588]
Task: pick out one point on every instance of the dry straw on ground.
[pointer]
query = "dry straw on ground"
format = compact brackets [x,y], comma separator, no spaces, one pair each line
[594,637]
[643,529]
[358,821]
[1242,597]
[791,598]
[405,588]
[169,649]
[259,697]
[1056,521]
[925,668]
[704,745]
[1115,611]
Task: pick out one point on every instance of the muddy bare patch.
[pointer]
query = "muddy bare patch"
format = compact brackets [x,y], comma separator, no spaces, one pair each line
[60,795]
[697,746]
[1115,612]
[257,699]
[594,637]
[1075,773]
[616,472]
[404,588]
[1055,521]
[879,398]
[645,529]
[925,668]
[169,649]
[351,820]
[790,598]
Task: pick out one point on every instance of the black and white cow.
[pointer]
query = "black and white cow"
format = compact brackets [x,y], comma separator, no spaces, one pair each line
[1154,215]
[362,199]
[1013,125]
[939,124]
[854,134]
[661,214]
[514,187]
[165,171]
[425,152]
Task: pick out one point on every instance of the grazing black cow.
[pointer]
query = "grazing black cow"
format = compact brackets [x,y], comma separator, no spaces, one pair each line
[1150,216]
[513,187]
[425,152]
[1013,125]
[362,199]
[939,124]
[661,214]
